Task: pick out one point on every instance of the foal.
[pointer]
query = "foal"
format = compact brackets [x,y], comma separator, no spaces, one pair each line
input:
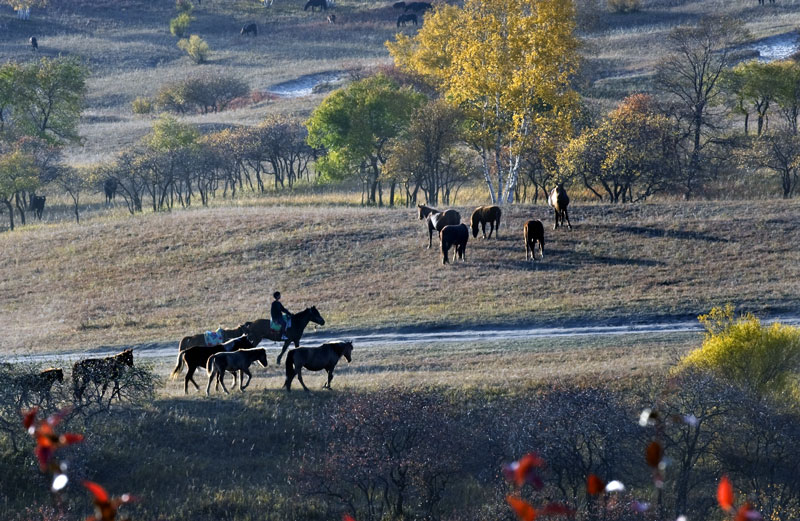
[236,361]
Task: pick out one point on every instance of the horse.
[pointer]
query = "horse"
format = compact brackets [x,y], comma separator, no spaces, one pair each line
[325,357]
[250,28]
[197,356]
[534,232]
[100,371]
[484,214]
[240,360]
[454,235]
[403,18]
[322,4]
[559,201]
[110,189]
[261,327]
[436,220]
[331,18]
[36,205]
[34,43]
[200,338]
[37,386]
[419,7]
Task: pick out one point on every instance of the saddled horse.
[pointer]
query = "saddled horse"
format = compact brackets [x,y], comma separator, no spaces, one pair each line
[558,201]
[100,371]
[200,339]
[240,361]
[534,232]
[436,220]
[197,356]
[484,214]
[325,357]
[293,333]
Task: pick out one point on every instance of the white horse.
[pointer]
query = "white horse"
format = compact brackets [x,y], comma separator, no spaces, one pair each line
[240,361]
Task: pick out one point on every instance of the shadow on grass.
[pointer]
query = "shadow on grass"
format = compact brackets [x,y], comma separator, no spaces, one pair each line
[672,234]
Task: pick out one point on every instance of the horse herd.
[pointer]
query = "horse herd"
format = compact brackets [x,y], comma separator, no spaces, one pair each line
[452,233]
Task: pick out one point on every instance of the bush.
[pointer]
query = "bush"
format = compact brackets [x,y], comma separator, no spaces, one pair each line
[183,6]
[208,93]
[624,6]
[765,358]
[179,25]
[142,106]
[195,47]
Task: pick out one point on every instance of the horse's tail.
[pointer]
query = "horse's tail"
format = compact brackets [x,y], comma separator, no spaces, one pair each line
[289,367]
[178,366]
[209,364]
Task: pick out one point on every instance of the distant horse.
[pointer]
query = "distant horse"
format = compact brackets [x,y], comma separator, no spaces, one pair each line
[331,18]
[200,338]
[484,214]
[534,232]
[250,28]
[454,235]
[419,7]
[35,387]
[322,4]
[110,189]
[100,371]
[403,18]
[293,333]
[436,220]
[325,357]
[559,201]
[34,43]
[36,205]
[197,356]
[240,361]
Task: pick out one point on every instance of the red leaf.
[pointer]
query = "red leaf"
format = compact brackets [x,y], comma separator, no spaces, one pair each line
[43,454]
[725,494]
[557,509]
[70,438]
[347,517]
[594,485]
[523,509]
[29,417]
[524,471]
[99,493]
[654,454]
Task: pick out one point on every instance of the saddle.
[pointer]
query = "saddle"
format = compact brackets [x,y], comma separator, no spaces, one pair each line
[214,338]
[276,327]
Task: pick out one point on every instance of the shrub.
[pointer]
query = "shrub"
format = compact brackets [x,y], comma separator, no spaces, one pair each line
[207,93]
[142,106]
[766,358]
[184,6]
[195,47]
[624,6]
[179,25]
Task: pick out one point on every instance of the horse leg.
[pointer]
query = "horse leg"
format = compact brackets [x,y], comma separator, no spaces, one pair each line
[566,215]
[483,229]
[300,377]
[330,378]
[555,215]
[249,377]
[221,380]
[430,236]
[190,378]
[210,377]
[285,346]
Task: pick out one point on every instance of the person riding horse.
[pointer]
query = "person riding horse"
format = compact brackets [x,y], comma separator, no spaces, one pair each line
[277,311]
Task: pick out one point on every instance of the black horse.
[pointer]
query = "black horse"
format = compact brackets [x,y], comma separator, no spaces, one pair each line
[322,4]
[454,235]
[37,205]
[110,189]
[250,28]
[419,7]
[197,356]
[261,327]
[34,43]
[403,18]
[325,357]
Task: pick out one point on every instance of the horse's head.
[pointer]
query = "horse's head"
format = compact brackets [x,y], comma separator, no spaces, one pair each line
[475,222]
[420,213]
[245,328]
[315,317]
[347,351]
[126,357]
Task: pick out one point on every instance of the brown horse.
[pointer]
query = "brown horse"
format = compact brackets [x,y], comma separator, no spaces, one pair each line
[534,232]
[454,235]
[197,356]
[484,214]
[293,333]
[200,339]
[100,371]
[559,201]
[234,361]
[325,357]
[436,220]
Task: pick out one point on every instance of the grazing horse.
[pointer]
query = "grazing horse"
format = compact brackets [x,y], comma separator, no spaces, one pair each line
[197,356]
[534,232]
[36,205]
[559,201]
[200,338]
[100,371]
[331,18]
[436,220]
[250,28]
[110,189]
[484,214]
[325,357]
[419,7]
[34,43]
[235,361]
[293,333]
[454,235]
[322,4]
[403,18]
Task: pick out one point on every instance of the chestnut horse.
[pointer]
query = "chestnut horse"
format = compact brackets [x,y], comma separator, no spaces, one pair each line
[484,214]
[559,201]
[325,357]
[454,235]
[534,232]
[293,333]
[200,339]
[436,220]
[100,371]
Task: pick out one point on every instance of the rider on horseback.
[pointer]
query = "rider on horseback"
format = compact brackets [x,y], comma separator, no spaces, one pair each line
[277,311]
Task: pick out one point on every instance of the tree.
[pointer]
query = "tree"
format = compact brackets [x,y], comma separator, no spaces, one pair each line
[354,126]
[787,91]
[75,181]
[779,152]
[753,84]
[18,173]
[691,76]
[508,65]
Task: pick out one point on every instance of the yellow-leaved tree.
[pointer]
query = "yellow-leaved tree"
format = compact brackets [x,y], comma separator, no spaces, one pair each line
[508,65]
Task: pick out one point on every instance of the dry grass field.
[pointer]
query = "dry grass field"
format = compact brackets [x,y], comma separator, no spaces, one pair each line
[120,280]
